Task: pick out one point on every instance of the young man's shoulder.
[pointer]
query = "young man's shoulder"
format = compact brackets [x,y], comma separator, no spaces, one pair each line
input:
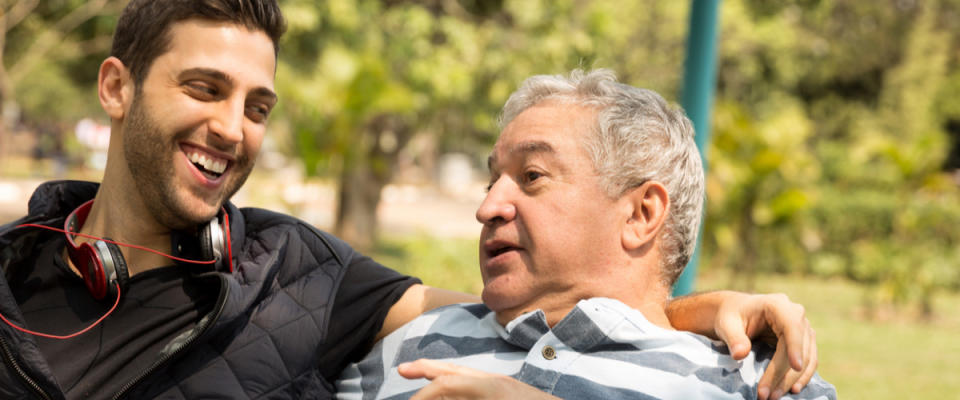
[274,229]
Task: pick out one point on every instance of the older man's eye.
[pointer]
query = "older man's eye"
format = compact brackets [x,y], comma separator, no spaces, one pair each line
[531,176]
[493,180]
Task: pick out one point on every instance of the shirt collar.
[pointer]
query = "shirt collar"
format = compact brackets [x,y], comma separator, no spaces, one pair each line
[586,327]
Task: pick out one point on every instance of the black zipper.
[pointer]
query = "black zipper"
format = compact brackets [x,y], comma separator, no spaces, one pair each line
[197,332]
[8,356]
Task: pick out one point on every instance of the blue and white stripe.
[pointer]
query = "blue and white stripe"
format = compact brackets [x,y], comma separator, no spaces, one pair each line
[604,349]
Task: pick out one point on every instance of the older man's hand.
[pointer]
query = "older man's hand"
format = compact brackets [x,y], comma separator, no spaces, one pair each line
[450,381]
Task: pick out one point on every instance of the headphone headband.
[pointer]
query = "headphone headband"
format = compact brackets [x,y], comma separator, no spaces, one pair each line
[102,265]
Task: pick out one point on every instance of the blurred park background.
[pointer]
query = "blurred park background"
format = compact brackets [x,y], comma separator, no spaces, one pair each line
[834,162]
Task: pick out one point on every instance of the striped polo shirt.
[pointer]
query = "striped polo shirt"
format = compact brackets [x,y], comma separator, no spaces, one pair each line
[602,349]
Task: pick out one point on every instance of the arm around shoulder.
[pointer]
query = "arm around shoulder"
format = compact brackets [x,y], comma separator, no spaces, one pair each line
[417,300]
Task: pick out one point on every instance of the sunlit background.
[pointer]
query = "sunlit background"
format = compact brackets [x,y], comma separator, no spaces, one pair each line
[834,160]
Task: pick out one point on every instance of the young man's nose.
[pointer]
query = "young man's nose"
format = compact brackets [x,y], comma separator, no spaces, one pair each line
[227,122]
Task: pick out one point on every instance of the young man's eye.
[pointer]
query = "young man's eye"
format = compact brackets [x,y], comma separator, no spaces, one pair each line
[258,113]
[202,90]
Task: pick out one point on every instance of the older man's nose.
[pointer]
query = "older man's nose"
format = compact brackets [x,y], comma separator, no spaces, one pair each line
[497,205]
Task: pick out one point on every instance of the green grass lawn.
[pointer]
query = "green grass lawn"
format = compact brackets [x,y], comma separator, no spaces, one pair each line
[897,357]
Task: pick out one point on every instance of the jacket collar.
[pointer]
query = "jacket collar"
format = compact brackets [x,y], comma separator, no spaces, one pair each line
[58,198]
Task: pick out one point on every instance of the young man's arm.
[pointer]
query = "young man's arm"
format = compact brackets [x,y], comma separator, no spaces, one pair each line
[736,318]
[417,300]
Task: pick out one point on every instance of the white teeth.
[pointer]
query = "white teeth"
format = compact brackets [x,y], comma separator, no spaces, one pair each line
[210,164]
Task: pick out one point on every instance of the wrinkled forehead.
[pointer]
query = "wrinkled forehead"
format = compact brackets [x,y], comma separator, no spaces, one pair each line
[547,129]
[520,150]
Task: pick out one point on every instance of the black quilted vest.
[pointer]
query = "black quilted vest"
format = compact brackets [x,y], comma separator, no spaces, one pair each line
[271,317]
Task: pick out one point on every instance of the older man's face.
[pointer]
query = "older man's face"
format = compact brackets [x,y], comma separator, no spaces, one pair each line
[547,223]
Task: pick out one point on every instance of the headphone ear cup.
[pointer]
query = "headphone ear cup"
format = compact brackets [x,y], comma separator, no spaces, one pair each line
[87,260]
[121,274]
[211,242]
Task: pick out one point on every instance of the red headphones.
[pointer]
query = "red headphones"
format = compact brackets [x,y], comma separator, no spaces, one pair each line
[102,265]
[104,270]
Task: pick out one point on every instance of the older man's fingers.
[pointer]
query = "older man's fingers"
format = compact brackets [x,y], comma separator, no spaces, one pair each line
[450,387]
[453,382]
[432,369]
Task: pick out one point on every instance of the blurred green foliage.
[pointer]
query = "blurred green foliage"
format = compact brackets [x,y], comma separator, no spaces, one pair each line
[440,262]
[836,127]
[363,78]
[50,52]
[831,149]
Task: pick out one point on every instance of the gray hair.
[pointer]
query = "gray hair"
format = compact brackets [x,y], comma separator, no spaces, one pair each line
[638,138]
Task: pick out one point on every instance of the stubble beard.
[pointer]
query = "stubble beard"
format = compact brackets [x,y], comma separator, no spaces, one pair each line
[150,159]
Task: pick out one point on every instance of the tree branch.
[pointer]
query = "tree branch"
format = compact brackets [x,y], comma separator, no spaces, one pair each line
[54,36]
[95,45]
[17,13]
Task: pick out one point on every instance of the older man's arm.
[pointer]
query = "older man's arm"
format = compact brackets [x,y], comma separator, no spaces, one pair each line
[736,318]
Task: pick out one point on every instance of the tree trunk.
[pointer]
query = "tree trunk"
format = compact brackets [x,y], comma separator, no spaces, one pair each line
[365,172]
[357,200]
[743,275]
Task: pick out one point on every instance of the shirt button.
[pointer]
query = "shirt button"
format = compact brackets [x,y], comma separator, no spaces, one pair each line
[549,353]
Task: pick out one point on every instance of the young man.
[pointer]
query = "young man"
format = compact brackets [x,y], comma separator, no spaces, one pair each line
[595,197]
[188,88]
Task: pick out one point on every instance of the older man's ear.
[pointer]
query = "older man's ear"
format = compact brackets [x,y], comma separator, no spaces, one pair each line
[646,208]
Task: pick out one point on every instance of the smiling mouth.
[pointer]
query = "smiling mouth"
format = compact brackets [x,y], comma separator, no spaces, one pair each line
[209,166]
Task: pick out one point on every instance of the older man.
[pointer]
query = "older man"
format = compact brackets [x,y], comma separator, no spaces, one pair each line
[595,198]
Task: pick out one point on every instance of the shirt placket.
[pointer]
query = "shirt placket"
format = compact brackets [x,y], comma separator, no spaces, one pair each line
[546,362]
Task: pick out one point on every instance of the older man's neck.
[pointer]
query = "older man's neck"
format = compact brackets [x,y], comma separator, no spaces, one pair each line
[651,301]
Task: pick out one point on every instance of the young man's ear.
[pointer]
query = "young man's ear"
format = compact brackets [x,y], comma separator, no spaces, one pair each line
[648,206]
[115,87]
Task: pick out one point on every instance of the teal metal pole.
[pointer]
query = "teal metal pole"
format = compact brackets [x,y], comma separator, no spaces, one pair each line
[699,82]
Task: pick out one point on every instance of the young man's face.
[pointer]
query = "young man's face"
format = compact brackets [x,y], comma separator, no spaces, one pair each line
[194,130]
[547,223]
